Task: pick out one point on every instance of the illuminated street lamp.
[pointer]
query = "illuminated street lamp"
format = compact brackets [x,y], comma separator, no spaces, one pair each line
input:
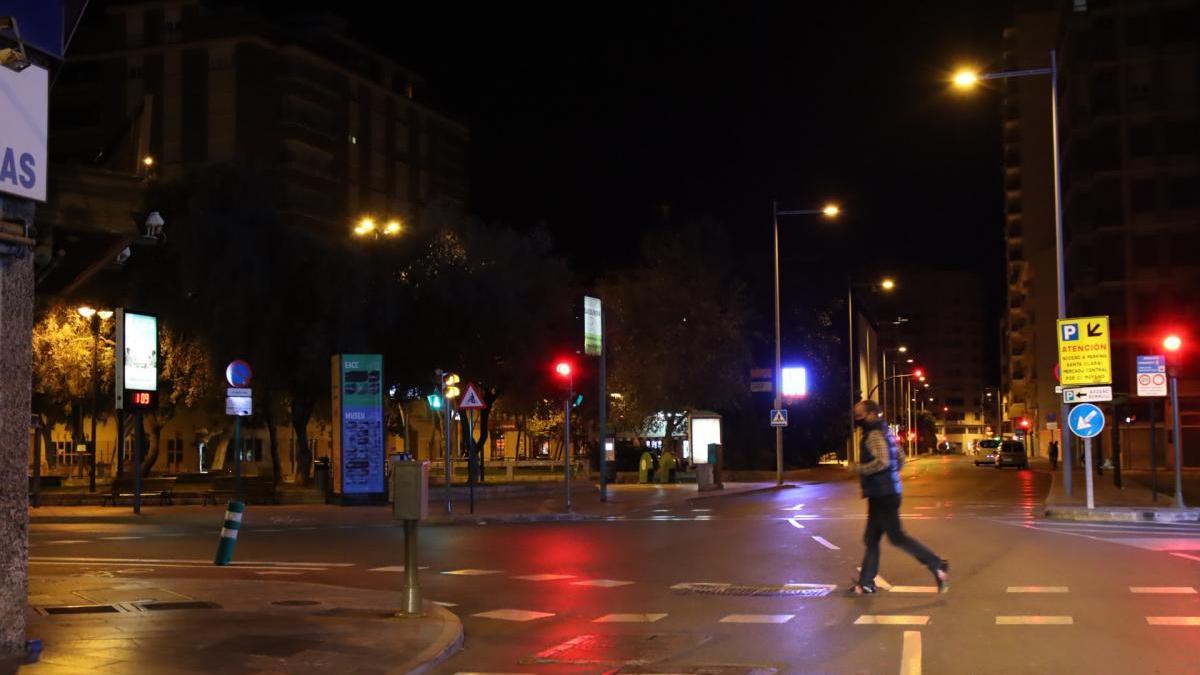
[1173,343]
[95,316]
[830,211]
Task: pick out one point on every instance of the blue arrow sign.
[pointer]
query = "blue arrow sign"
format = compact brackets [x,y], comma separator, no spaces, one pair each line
[1086,420]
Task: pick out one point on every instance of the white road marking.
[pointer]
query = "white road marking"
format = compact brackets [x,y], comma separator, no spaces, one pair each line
[513,615]
[758,618]
[601,583]
[794,508]
[910,656]
[1034,621]
[471,572]
[795,523]
[913,589]
[66,541]
[395,568]
[545,577]
[1161,589]
[1038,589]
[629,618]
[701,510]
[661,511]
[1160,543]
[825,542]
[1173,620]
[120,538]
[1186,556]
[891,620]
[444,604]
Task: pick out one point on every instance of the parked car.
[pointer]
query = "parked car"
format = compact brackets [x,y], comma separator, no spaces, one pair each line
[1012,453]
[986,451]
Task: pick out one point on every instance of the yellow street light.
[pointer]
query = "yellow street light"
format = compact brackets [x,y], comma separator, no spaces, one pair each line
[105,314]
[966,78]
[903,349]
[887,284]
[87,312]
[392,228]
[148,161]
[366,225]
[831,210]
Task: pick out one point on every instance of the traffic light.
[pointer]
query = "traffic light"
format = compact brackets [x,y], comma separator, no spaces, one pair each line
[449,387]
[919,373]
[435,401]
[1024,422]
[1172,343]
[577,401]
[563,369]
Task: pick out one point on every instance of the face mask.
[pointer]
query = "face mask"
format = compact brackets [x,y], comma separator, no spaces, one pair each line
[861,422]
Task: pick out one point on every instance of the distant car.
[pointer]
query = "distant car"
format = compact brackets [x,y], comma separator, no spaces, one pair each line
[986,451]
[1012,453]
[948,448]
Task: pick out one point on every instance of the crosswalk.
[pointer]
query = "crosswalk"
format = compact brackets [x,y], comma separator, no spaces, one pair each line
[1179,539]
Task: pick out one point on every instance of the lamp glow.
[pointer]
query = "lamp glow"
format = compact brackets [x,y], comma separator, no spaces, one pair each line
[795,381]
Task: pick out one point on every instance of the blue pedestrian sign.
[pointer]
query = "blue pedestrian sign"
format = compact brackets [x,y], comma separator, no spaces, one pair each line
[1086,420]
[778,418]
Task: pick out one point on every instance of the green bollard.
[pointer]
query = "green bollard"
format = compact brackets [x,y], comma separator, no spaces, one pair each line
[645,466]
[229,532]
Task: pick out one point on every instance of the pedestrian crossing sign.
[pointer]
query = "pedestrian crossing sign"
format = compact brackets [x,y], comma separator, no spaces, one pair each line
[471,400]
[779,418]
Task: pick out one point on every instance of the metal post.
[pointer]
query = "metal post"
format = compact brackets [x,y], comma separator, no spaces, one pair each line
[1058,247]
[446,430]
[37,460]
[1153,450]
[412,587]
[95,397]
[603,413]
[778,379]
[237,459]
[1087,470]
[883,393]
[139,437]
[1178,431]
[567,437]
[472,463]
[852,451]
[120,443]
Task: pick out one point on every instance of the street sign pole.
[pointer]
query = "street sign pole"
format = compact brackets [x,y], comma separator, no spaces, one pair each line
[603,414]
[1178,440]
[567,436]
[1087,459]
[472,464]
[139,437]
[1153,451]
[237,458]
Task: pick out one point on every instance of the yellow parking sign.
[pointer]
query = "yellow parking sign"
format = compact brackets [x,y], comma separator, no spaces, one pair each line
[1084,351]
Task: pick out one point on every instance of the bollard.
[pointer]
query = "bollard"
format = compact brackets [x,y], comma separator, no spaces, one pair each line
[229,532]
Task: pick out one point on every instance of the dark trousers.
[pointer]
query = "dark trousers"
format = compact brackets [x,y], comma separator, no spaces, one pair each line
[1054,461]
[883,517]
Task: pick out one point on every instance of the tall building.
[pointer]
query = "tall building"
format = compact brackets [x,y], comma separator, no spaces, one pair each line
[946,336]
[168,85]
[1028,341]
[1130,142]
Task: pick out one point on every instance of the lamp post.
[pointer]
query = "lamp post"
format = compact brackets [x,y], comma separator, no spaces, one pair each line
[967,79]
[828,211]
[94,316]
[886,285]
[1173,344]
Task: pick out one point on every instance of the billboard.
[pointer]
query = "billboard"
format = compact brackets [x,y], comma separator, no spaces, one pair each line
[137,361]
[593,331]
[358,437]
[23,114]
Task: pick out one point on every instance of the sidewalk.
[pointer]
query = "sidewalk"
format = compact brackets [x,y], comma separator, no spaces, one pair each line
[228,626]
[1133,502]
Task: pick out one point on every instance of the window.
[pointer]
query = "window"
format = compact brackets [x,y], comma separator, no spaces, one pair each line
[1141,140]
[1181,193]
[252,449]
[1181,138]
[174,451]
[1142,196]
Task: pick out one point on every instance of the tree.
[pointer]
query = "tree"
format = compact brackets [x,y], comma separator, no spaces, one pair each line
[62,369]
[677,330]
[187,380]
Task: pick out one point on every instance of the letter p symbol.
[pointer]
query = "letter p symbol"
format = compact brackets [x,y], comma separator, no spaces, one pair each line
[1070,331]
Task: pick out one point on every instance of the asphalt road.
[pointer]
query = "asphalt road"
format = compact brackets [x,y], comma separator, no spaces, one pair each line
[706,588]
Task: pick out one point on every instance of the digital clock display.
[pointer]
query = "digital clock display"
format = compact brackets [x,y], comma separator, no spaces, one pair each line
[141,400]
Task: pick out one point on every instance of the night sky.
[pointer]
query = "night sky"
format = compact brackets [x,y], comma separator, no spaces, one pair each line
[603,119]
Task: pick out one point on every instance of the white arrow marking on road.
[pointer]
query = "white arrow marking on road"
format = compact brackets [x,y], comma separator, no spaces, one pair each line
[825,542]
[795,523]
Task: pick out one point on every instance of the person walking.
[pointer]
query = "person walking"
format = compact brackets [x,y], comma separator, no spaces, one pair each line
[879,475]
[1053,455]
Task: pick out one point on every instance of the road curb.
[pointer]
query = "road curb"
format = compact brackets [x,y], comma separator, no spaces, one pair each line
[1125,514]
[448,643]
[719,494]
[505,518]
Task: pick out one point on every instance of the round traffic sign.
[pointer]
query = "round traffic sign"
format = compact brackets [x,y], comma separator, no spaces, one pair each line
[1086,420]
[1144,378]
[238,373]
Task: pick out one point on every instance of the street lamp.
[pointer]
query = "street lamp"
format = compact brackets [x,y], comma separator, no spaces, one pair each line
[966,79]
[565,373]
[829,211]
[1173,344]
[886,284]
[95,316]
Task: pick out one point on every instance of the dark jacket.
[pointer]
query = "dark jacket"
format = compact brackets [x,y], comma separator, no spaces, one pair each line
[880,460]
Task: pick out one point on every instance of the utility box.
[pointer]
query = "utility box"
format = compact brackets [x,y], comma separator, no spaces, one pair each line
[410,489]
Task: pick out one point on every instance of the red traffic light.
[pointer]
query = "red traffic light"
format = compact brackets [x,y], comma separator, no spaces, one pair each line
[1024,422]
[563,368]
[1172,343]
[918,373]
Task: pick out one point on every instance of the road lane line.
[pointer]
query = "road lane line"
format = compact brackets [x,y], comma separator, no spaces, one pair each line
[891,620]
[545,577]
[395,568]
[1173,620]
[910,657]
[1038,589]
[120,538]
[1162,589]
[63,541]
[513,615]
[758,618]
[601,583]
[879,581]
[913,589]
[794,508]
[825,542]
[629,618]
[205,565]
[471,572]
[46,558]
[1034,621]
[795,523]
[1186,556]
